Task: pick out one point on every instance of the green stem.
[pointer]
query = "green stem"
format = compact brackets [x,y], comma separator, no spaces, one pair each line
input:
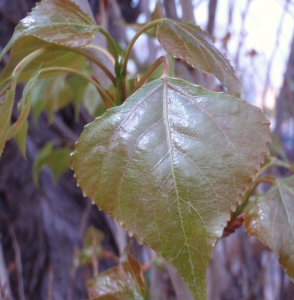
[102,50]
[28,59]
[112,42]
[273,163]
[72,71]
[153,67]
[250,192]
[133,40]
[94,60]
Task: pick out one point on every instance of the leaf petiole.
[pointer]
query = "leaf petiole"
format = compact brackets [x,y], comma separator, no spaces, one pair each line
[112,42]
[250,192]
[102,50]
[133,40]
[72,71]
[274,162]
[154,66]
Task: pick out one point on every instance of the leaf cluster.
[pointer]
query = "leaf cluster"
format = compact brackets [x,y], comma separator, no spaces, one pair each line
[167,159]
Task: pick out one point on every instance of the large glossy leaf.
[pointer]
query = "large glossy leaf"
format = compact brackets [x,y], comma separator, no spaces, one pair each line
[170,164]
[270,218]
[123,282]
[56,21]
[28,44]
[190,43]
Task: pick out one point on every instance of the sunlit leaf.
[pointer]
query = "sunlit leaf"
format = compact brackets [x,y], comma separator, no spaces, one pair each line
[56,21]
[270,218]
[28,44]
[190,43]
[123,282]
[170,164]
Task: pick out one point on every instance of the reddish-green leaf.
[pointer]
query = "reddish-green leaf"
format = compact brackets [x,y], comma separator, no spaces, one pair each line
[28,44]
[123,282]
[170,164]
[190,43]
[56,21]
[270,218]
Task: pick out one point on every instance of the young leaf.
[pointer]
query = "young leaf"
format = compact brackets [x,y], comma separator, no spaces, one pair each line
[25,103]
[5,115]
[123,282]
[51,94]
[28,44]
[190,43]
[170,164]
[21,138]
[270,218]
[56,21]
[57,160]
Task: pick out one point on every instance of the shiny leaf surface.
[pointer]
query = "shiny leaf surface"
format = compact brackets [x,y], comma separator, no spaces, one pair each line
[123,282]
[170,164]
[270,218]
[56,21]
[190,43]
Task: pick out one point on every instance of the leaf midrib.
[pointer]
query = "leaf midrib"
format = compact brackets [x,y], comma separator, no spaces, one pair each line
[168,131]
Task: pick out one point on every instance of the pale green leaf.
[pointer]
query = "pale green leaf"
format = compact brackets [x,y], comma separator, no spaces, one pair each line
[58,160]
[78,86]
[21,138]
[40,161]
[123,282]
[270,218]
[170,164]
[5,116]
[56,21]
[190,43]
[93,102]
[51,95]
[25,105]
[25,45]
